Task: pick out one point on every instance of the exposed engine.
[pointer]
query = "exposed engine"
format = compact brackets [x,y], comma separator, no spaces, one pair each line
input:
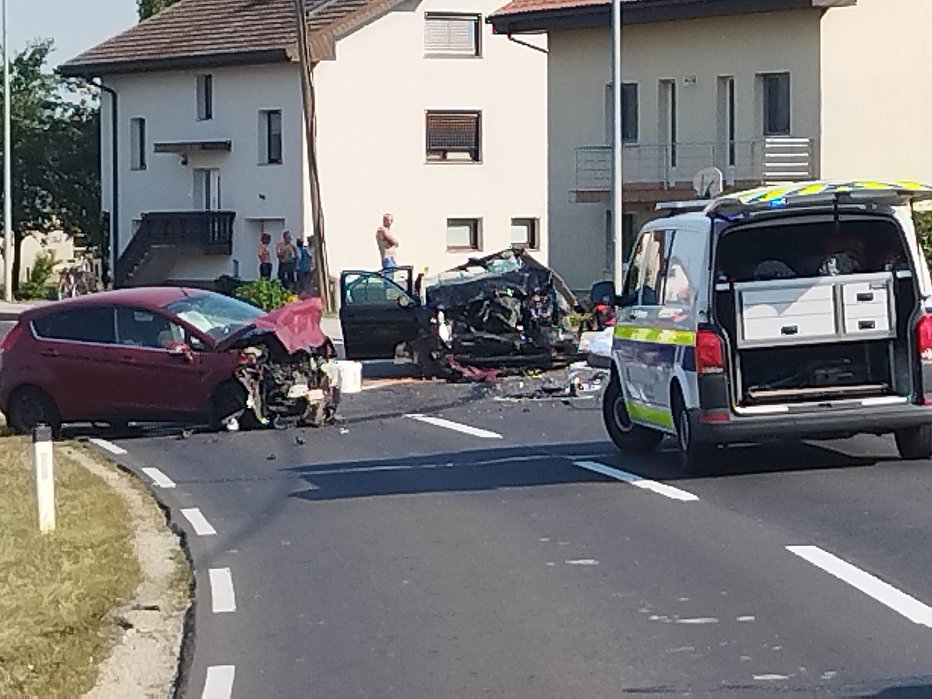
[286,389]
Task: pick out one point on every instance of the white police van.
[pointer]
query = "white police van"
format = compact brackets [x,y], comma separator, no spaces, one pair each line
[783,312]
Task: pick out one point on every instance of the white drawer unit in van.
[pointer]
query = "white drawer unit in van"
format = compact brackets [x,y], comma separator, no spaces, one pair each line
[813,310]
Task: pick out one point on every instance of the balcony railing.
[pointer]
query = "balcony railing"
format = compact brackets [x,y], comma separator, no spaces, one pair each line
[209,232]
[764,161]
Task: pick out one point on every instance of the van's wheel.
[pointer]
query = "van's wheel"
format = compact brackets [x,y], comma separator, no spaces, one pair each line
[624,433]
[695,457]
[914,442]
[29,407]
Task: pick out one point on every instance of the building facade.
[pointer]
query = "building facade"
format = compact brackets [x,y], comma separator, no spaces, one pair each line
[415,116]
[762,92]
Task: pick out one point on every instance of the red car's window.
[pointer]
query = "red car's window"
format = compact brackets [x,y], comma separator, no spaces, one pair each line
[138,327]
[94,324]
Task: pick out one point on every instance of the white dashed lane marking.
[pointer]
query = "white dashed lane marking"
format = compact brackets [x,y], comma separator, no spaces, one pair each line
[197,519]
[874,587]
[108,446]
[159,478]
[219,684]
[455,426]
[222,597]
[668,491]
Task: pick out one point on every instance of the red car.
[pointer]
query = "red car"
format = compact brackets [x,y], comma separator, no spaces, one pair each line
[165,354]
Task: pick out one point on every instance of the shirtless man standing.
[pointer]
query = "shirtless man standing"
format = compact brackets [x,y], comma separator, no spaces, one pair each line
[387,242]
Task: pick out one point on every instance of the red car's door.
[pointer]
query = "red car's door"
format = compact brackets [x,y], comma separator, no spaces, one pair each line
[161,385]
[76,347]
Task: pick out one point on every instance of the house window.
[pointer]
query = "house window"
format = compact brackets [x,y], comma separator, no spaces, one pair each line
[205,97]
[137,137]
[776,104]
[524,233]
[452,35]
[454,136]
[464,234]
[270,137]
[629,113]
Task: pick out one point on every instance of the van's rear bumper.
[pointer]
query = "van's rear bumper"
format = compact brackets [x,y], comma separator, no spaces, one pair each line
[712,426]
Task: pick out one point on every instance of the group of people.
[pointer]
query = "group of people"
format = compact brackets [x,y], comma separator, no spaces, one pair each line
[295,262]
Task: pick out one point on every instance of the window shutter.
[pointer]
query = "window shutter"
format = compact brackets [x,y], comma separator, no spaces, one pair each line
[453,35]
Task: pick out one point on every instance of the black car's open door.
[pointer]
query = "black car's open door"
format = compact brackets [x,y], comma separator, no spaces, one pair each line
[378,312]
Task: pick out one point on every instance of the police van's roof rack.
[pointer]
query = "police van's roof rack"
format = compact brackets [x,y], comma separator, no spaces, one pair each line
[684,206]
[861,193]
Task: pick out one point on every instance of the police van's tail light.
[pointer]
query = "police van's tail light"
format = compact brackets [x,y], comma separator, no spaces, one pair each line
[709,356]
[924,337]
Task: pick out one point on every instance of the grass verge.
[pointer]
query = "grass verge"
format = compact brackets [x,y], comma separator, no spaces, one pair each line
[57,589]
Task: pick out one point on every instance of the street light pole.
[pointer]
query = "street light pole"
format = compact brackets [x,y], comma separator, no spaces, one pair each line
[7,178]
[617,177]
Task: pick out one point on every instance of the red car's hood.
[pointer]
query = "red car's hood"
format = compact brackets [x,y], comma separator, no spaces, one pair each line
[296,325]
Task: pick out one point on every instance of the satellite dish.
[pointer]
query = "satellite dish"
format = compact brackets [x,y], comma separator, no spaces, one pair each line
[708,182]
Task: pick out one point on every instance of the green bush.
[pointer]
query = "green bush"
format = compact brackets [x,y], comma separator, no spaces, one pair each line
[266,294]
[924,231]
[37,286]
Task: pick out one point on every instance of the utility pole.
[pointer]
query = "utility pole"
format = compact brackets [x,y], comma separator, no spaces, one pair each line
[617,147]
[310,123]
[7,176]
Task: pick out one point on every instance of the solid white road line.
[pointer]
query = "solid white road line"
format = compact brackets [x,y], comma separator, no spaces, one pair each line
[108,446]
[222,598]
[198,521]
[219,684]
[633,479]
[886,594]
[455,426]
[159,478]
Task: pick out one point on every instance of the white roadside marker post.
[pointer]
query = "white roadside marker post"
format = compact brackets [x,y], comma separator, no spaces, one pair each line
[45,477]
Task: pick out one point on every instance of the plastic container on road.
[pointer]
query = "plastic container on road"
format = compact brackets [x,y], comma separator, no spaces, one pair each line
[348,376]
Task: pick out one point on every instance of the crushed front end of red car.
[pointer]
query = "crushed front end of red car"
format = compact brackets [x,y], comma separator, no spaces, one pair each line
[285,365]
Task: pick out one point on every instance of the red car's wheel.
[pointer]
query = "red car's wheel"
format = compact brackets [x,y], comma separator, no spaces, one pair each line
[29,407]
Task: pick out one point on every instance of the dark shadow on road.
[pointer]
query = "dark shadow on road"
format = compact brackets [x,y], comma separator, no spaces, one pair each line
[460,471]
[541,465]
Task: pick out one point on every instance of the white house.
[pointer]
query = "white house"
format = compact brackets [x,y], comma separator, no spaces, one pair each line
[418,113]
[763,90]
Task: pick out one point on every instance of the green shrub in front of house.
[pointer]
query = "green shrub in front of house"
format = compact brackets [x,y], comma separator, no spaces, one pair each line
[38,284]
[265,293]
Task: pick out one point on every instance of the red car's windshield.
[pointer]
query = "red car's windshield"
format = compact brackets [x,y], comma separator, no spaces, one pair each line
[214,314]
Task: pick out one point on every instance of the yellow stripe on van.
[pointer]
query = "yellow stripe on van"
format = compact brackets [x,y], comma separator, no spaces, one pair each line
[658,336]
[652,416]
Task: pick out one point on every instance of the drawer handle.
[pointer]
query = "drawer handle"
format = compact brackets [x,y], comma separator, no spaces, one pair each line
[866,296]
[866,325]
[789,329]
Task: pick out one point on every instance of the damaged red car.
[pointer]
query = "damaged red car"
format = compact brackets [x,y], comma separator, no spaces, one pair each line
[167,354]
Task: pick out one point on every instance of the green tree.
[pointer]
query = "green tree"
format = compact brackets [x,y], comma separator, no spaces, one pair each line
[55,163]
[147,8]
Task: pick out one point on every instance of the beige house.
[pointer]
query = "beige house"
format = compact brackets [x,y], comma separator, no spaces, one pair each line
[763,91]
[415,115]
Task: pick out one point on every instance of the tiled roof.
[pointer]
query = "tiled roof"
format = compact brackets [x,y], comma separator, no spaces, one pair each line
[543,15]
[516,6]
[220,32]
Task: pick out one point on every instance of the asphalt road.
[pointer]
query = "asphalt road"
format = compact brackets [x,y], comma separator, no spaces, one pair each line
[393,556]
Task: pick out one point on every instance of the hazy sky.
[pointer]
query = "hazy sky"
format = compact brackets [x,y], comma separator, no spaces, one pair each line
[75,25]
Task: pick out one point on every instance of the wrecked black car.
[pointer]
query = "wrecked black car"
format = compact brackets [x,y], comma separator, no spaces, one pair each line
[504,311]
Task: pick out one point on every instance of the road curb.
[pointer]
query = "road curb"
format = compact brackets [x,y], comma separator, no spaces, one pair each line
[186,655]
